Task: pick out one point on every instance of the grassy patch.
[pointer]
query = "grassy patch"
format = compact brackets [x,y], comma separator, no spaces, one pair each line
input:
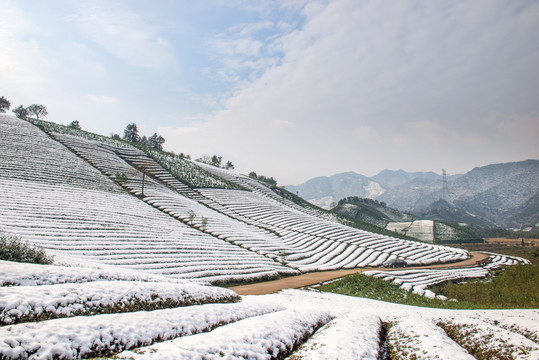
[12,248]
[373,288]
[513,287]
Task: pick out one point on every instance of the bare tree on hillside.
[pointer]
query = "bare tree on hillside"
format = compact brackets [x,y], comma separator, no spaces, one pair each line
[38,110]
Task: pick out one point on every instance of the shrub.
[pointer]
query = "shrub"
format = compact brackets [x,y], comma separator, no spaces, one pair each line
[12,248]
[120,178]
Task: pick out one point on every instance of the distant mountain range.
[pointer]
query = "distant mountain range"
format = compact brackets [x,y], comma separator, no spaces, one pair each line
[505,195]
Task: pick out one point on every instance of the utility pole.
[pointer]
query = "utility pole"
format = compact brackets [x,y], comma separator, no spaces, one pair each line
[445,191]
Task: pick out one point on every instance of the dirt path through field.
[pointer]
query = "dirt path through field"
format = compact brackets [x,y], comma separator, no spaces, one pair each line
[293,282]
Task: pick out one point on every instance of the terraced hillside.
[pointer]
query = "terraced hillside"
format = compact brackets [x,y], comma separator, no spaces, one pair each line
[151,250]
[60,193]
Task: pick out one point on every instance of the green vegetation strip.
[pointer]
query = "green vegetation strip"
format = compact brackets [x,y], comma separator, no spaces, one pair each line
[513,287]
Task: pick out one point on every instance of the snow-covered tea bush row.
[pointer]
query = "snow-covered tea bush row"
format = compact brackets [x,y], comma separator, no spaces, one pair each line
[118,229]
[36,303]
[355,335]
[270,336]
[105,335]
[497,260]
[22,274]
[50,127]
[418,280]
[424,339]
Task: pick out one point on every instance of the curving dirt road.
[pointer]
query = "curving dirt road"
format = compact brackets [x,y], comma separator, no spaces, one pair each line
[293,282]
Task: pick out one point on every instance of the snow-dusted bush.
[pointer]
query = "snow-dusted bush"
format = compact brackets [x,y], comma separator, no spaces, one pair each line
[12,248]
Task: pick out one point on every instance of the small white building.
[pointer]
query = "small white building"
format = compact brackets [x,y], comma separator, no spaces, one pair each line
[420,229]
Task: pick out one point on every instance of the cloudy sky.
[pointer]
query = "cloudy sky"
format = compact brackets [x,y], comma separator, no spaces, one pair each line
[291,89]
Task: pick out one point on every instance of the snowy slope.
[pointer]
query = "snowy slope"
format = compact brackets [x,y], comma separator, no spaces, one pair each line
[56,200]
[220,235]
[303,324]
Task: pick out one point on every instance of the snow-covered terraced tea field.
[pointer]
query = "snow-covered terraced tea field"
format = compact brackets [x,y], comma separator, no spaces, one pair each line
[294,324]
[88,218]
[168,227]
[316,243]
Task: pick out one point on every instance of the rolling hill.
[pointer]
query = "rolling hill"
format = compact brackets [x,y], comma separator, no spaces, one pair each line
[188,220]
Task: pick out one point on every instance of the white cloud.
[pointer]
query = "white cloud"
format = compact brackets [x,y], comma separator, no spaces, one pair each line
[102,99]
[23,67]
[370,85]
[124,33]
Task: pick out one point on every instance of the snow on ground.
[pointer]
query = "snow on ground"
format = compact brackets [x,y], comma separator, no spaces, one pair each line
[108,334]
[358,337]
[481,337]
[31,303]
[411,335]
[415,322]
[264,337]
[276,324]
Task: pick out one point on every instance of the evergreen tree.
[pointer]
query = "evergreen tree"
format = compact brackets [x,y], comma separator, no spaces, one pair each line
[21,112]
[156,141]
[74,125]
[131,133]
[229,165]
[144,140]
[4,104]
[216,160]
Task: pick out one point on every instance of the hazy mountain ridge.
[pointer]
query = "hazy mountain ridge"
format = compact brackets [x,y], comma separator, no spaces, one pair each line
[371,212]
[503,194]
[324,190]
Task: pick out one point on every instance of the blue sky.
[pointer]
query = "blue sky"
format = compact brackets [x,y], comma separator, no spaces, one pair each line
[289,89]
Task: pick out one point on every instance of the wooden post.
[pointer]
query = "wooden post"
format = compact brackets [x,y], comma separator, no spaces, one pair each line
[143,176]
